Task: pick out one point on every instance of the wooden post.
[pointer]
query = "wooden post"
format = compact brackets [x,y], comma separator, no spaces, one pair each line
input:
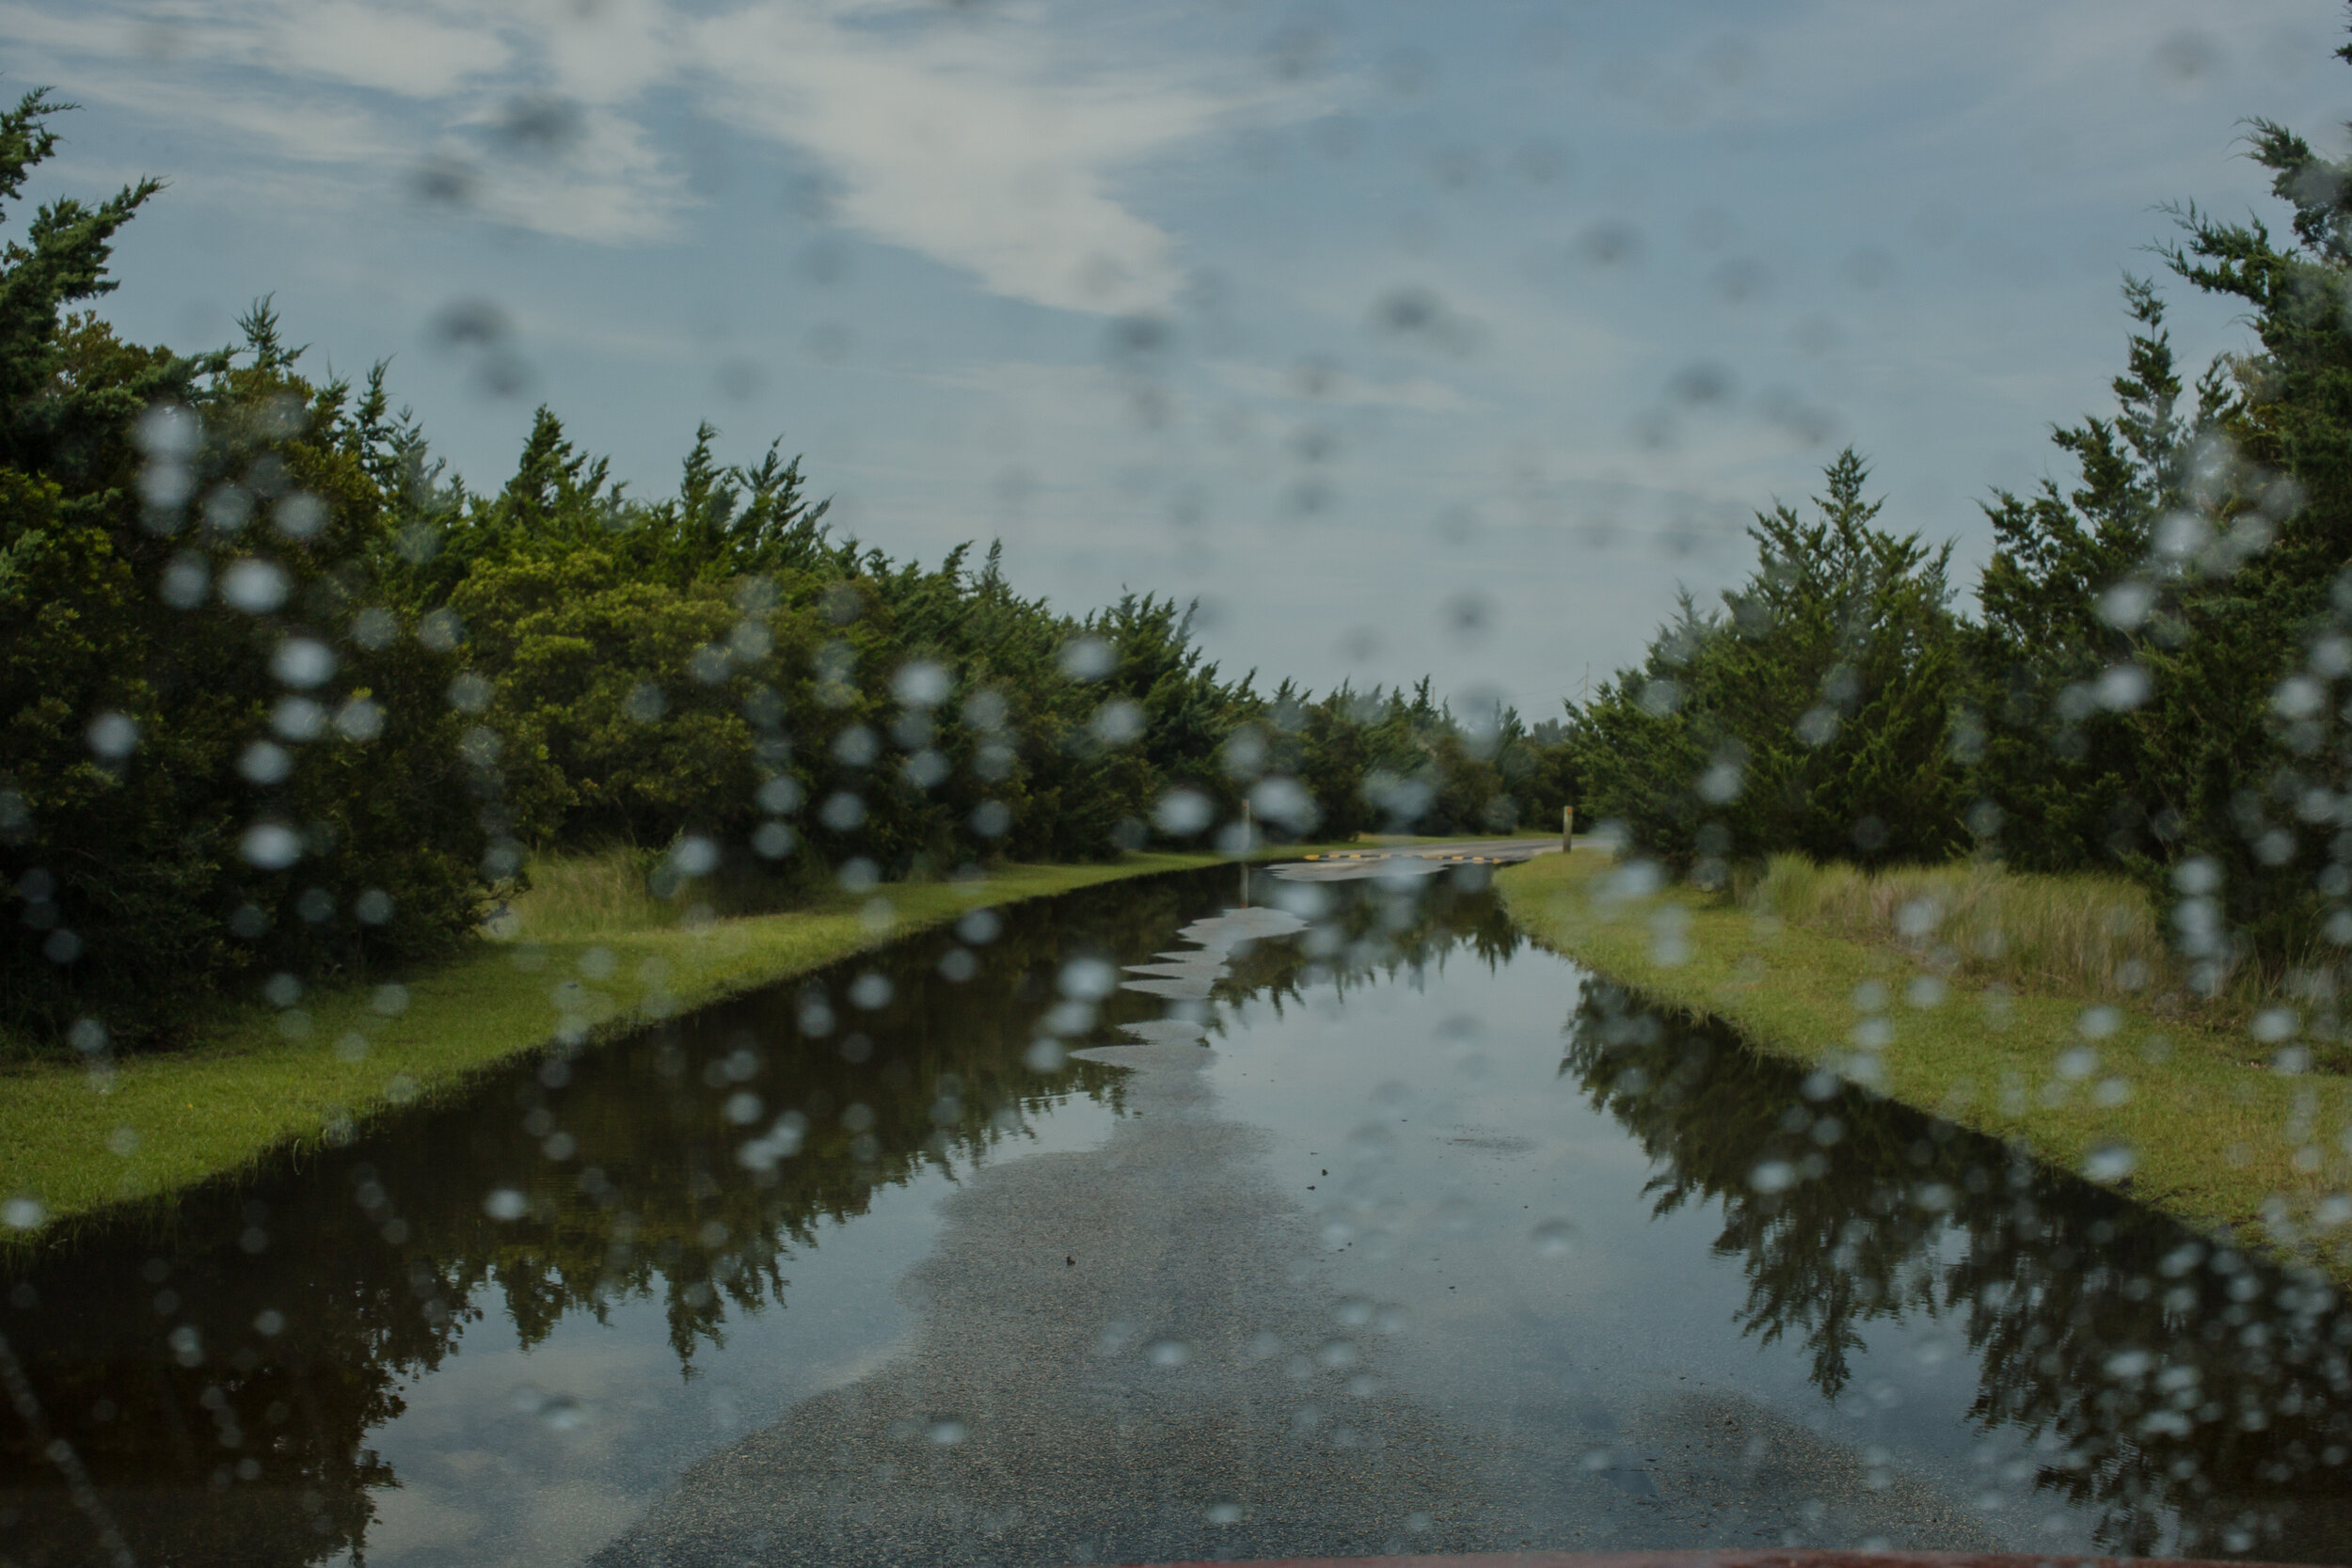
[1567,829]
[1249,842]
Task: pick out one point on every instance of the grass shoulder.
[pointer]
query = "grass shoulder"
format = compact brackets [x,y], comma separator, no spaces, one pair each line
[2213,1134]
[587,950]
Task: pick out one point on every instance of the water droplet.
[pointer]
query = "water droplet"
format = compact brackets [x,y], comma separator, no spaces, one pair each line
[303,662]
[2110,1163]
[921,684]
[271,846]
[1088,658]
[1087,979]
[113,736]
[255,586]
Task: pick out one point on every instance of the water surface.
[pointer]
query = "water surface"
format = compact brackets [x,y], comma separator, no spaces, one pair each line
[1615,1280]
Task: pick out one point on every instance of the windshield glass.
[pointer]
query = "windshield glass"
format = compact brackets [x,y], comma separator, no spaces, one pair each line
[902,782]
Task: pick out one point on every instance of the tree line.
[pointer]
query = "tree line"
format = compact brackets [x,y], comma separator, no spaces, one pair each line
[2153,681]
[281,694]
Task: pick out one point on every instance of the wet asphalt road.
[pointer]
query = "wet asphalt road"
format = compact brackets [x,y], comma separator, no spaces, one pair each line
[1130,1355]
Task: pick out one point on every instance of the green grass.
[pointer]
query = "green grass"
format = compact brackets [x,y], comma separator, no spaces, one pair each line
[587,943]
[2215,1134]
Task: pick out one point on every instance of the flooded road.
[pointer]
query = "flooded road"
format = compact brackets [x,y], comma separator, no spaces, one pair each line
[1131,1226]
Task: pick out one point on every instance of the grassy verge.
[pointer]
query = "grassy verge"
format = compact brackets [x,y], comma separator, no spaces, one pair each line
[2193,1118]
[2078,935]
[587,952]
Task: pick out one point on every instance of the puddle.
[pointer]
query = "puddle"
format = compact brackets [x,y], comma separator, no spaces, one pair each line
[1637,1286]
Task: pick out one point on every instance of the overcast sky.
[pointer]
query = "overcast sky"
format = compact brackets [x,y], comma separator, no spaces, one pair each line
[1409,338]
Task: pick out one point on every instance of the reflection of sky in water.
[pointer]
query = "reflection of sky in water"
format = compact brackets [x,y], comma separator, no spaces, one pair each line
[1493,1221]
[513,1456]
[1456,1151]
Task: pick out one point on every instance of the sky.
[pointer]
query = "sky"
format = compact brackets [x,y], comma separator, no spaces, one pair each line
[1406,339]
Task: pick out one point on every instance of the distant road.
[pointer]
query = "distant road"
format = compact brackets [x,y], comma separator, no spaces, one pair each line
[1413,860]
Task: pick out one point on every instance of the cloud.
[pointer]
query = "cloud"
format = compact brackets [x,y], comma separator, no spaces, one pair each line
[610,184]
[609,52]
[437,90]
[403,49]
[994,146]
[989,150]
[415,50]
[302,128]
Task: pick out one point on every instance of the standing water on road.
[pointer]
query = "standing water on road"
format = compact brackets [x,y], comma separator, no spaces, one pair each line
[1160,1221]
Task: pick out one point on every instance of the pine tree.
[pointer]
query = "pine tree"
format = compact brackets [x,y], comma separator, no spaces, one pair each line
[1810,712]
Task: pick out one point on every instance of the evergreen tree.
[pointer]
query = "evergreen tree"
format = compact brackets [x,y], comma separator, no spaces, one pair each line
[217,756]
[1811,712]
[2164,646]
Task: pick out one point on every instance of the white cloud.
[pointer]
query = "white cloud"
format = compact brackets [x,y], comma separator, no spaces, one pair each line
[403,50]
[434,84]
[993,146]
[990,149]
[610,184]
[608,53]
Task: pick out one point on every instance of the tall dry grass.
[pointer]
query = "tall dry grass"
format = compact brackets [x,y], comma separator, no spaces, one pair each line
[2094,935]
[579,896]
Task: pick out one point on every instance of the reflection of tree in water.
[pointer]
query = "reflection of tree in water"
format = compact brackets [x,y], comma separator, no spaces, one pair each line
[1371,931]
[302,1300]
[217,1366]
[2158,1375]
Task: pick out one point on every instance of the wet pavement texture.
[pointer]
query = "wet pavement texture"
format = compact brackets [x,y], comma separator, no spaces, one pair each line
[1155,1223]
